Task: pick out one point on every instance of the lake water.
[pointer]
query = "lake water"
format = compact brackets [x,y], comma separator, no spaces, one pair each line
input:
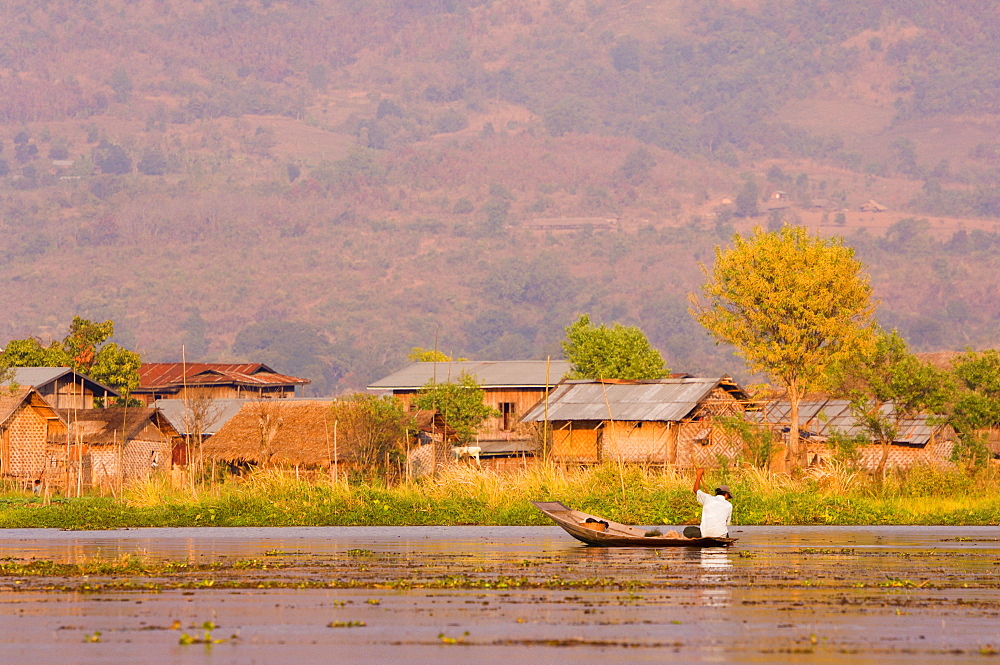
[508,594]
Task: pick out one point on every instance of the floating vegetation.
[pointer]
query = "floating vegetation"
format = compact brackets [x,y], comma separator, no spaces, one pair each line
[206,637]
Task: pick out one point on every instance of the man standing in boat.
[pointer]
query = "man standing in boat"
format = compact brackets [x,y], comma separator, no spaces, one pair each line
[716,511]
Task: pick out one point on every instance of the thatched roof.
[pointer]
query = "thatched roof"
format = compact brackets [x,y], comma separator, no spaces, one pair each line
[114,425]
[432,422]
[278,431]
[12,399]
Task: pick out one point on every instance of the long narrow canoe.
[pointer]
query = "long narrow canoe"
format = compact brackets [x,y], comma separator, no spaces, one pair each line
[601,532]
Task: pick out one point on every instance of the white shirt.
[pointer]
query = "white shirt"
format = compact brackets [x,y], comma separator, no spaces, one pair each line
[716,514]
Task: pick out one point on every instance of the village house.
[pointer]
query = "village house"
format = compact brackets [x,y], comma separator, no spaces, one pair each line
[64,388]
[196,420]
[920,440]
[120,445]
[511,387]
[674,421]
[213,381]
[32,438]
[272,433]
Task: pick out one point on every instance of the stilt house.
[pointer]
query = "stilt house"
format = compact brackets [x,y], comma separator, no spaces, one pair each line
[920,440]
[511,387]
[670,421]
[117,445]
[32,438]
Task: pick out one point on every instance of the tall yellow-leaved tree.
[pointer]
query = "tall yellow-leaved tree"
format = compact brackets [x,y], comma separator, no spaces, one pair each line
[791,304]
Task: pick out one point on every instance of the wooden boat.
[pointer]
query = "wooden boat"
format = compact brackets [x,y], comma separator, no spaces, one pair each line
[600,532]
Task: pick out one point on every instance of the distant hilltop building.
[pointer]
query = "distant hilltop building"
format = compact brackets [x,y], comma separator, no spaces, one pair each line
[574,223]
[872,206]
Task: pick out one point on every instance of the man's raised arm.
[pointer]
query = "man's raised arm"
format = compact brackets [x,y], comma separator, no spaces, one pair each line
[697,479]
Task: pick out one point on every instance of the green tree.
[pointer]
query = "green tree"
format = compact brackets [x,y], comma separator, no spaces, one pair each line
[30,353]
[83,340]
[418,354]
[975,405]
[84,349]
[460,404]
[6,372]
[746,201]
[637,166]
[374,429]
[791,304]
[619,352]
[121,84]
[117,367]
[887,386]
[112,159]
[153,162]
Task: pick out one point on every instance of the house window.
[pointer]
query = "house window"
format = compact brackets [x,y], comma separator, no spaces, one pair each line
[506,415]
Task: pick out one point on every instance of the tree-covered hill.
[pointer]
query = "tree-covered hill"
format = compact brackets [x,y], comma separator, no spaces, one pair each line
[325,184]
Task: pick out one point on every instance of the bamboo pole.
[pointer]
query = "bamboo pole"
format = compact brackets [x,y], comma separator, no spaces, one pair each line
[329,454]
[545,425]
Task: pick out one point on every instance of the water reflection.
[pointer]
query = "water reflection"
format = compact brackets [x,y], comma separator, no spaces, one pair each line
[714,576]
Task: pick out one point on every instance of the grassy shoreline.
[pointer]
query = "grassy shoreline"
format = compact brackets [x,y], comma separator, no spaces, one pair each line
[463,495]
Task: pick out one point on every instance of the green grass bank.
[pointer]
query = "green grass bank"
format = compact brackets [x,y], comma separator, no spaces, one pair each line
[464,495]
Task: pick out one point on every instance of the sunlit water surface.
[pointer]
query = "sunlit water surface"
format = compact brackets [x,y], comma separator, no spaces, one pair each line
[513,594]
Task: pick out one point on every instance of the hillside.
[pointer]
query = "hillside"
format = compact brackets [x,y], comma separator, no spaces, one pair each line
[323,185]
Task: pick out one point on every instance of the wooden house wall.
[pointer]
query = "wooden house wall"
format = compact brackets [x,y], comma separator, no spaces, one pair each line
[639,442]
[217,392]
[697,440]
[63,394]
[522,399]
[511,464]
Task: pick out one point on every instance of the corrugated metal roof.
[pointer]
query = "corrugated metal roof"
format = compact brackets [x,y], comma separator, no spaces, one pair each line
[219,413]
[40,376]
[169,375]
[489,374]
[658,401]
[826,417]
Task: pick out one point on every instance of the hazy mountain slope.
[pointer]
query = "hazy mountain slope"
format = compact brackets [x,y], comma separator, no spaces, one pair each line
[327,184]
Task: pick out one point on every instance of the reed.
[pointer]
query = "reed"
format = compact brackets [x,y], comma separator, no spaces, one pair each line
[467,495]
